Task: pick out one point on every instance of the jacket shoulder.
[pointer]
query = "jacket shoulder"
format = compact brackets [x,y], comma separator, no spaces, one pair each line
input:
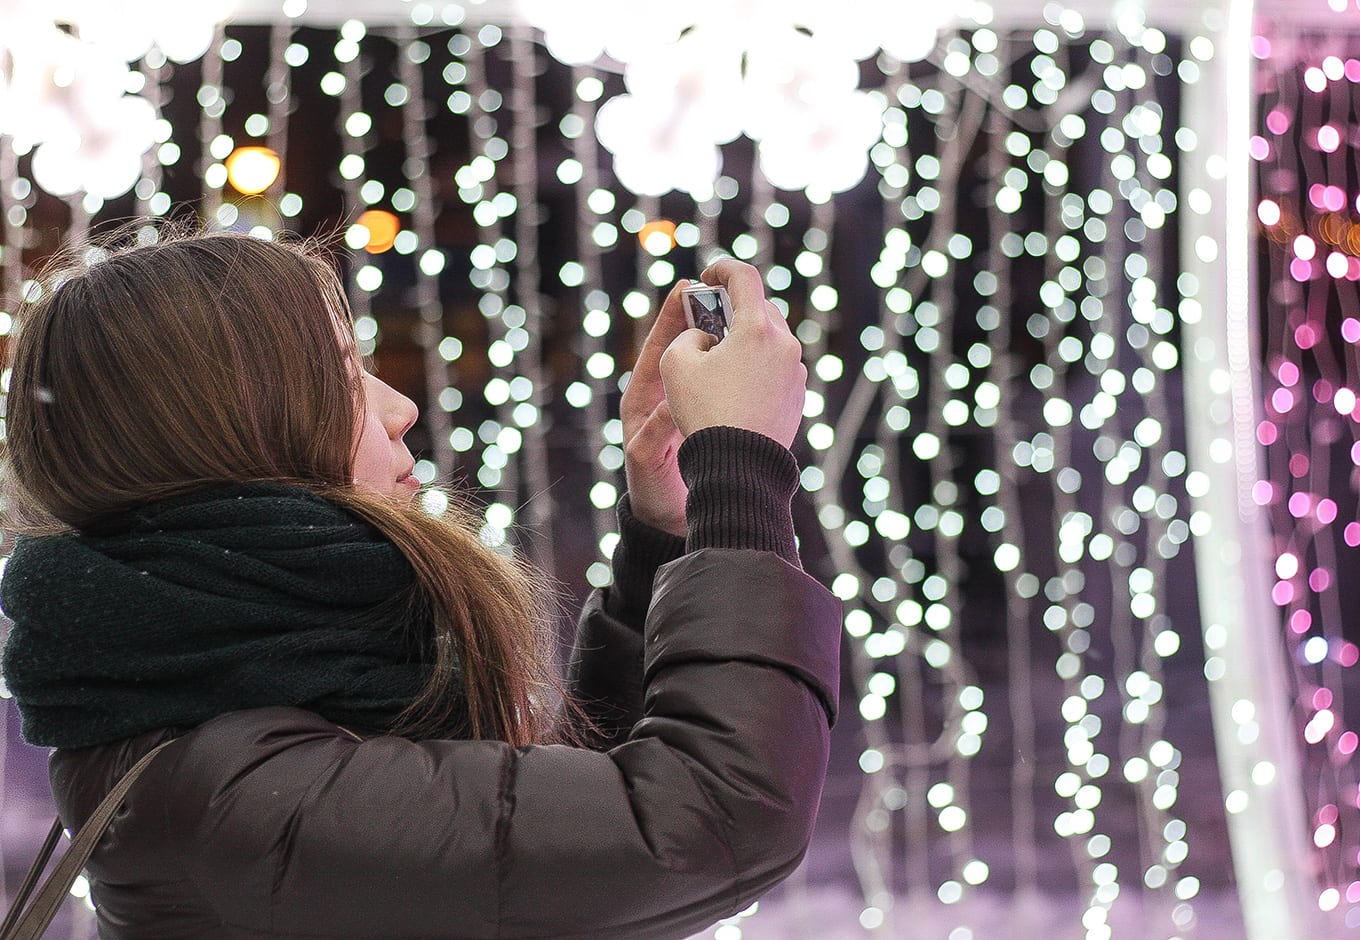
[144,870]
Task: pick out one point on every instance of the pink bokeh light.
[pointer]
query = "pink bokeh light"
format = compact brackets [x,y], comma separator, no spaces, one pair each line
[1326,514]
[1282,399]
[1301,621]
[1346,744]
[1282,594]
[1299,504]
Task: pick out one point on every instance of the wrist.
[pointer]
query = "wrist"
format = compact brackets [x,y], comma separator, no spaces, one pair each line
[741,487]
[671,524]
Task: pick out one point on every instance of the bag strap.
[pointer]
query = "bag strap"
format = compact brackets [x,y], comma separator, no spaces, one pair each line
[21,897]
[30,924]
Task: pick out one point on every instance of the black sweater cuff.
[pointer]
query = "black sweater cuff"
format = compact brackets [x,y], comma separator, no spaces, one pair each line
[641,549]
[741,487]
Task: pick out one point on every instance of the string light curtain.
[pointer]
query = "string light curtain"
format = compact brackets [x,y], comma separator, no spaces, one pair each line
[1304,150]
[1024,467]
[997,480]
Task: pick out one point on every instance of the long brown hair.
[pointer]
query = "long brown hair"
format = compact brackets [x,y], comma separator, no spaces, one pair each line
[213,358]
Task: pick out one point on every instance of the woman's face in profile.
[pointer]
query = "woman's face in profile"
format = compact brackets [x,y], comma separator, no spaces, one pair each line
[382,464]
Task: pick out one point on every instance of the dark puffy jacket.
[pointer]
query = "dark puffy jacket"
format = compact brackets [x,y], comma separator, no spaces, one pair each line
[276,823]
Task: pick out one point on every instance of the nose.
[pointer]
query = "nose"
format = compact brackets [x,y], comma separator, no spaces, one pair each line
[395,410]
[399,413]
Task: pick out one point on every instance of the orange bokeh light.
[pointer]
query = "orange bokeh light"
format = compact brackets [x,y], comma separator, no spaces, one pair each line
[382,226]
[657,236]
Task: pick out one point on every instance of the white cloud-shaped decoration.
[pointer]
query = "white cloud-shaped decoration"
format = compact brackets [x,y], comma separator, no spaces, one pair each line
[62,93]
[627,30]
[783,72]
[181,29]
[828,150]
[658,146]
[104,158]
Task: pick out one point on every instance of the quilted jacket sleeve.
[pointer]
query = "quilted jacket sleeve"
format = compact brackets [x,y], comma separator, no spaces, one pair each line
[708,802]
[604,675]
[740,487]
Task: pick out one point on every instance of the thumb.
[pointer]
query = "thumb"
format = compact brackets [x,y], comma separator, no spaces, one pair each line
[658,433]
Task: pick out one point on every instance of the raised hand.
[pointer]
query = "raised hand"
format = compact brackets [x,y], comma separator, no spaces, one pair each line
[753,379]
[650,437]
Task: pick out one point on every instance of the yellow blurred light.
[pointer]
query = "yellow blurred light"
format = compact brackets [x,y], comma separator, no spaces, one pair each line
[252,170]
[657,236]
[382,227]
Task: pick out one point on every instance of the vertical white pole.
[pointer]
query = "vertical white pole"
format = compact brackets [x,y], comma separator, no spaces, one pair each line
[1258,743]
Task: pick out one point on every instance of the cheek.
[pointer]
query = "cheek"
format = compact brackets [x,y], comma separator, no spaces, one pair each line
[372,454]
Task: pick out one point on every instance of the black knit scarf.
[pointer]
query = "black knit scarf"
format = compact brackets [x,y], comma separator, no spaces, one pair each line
[229,598]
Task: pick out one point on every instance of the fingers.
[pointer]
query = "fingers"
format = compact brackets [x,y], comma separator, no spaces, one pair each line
[689,343]
[686,347]
[744,287]
[669,323]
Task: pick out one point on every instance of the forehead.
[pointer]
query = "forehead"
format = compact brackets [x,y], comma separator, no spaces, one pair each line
[349,347]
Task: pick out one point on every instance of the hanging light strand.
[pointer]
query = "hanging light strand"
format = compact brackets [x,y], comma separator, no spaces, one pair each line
[531,387]
[584,277]
[278,90]
[355,126]
[214,146]
[423,209]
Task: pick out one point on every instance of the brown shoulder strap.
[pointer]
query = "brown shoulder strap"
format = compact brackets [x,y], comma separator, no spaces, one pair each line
[30,924]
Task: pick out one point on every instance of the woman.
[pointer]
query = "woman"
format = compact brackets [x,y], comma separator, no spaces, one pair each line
[358,697]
